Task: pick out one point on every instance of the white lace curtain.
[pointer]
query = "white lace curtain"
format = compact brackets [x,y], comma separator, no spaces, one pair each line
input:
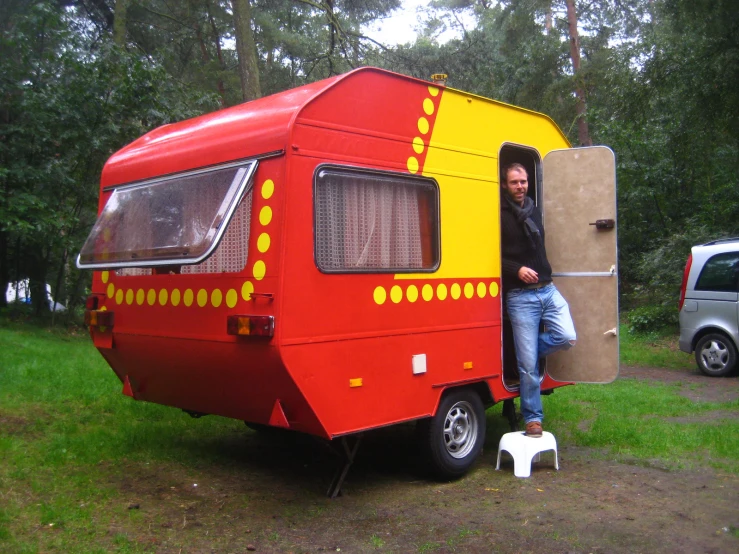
[367,222]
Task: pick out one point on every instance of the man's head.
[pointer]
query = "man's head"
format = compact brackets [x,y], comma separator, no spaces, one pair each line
[515,182]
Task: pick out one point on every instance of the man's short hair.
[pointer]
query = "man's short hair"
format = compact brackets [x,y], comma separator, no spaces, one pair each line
[509,167]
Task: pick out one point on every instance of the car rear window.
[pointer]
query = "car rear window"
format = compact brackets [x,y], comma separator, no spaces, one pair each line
[720,274]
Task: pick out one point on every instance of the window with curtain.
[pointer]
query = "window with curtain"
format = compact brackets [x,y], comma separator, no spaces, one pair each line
[169,221]
[374,221]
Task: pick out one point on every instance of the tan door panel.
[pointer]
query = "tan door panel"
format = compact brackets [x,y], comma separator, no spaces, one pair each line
[579,189]
[593,304]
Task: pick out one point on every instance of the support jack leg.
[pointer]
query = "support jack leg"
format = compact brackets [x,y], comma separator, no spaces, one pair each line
[346,453]
[509,412]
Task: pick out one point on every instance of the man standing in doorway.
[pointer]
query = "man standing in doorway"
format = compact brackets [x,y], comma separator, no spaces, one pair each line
[531,297]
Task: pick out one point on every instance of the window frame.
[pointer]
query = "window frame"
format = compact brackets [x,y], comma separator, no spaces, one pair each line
[358,170]
[243,187]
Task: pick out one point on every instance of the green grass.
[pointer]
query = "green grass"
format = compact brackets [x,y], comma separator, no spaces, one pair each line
[68,435]
[636,420]
[658,349]
[65,428]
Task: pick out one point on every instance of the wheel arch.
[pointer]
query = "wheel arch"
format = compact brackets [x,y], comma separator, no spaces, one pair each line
[707,331]
[481,388]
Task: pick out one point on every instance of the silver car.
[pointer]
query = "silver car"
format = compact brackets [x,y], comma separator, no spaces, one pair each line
[709,306]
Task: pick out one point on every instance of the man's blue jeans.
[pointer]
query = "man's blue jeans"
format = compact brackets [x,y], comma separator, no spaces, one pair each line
[527,308]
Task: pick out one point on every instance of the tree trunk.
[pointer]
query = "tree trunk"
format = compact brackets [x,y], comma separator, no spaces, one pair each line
[4,268]
[119,23]
[58,285]
[583,133]
[219,57]
[247,50]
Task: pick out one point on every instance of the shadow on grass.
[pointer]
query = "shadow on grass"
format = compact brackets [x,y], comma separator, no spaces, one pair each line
[285,460]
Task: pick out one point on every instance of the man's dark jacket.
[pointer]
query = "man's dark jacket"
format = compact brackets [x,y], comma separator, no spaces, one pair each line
[517,248]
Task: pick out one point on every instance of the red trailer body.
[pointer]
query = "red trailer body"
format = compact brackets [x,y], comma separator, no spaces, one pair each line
[358,239]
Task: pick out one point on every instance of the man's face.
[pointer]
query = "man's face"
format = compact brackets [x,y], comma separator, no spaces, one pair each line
[516,185]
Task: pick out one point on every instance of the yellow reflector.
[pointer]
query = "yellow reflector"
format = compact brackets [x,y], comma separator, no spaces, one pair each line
[468,365]
[355,382]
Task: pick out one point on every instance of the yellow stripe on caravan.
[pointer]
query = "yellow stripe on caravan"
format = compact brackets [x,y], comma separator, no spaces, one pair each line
[463,158]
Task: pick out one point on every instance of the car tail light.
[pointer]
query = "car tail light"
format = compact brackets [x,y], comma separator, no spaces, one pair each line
[251,325]
[684,285]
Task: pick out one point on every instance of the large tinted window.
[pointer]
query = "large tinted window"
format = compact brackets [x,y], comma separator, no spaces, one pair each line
[372,221]
[174,220]
[721,274]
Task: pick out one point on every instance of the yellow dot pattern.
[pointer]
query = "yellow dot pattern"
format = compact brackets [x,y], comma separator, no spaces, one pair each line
[260,269]
[263,243]
[455,291]
[246,289]
[396,294]
[428,293]
[469,290]
[216,296]
[380,295]
[232,298]
[411,293]
[418,144]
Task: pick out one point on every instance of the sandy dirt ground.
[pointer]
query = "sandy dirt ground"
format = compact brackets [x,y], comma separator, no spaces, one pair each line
[270,497]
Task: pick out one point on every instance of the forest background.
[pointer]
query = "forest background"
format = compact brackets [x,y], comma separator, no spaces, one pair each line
[655,80]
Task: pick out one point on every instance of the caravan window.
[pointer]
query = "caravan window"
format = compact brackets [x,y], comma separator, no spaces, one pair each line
[174,220]
[375,221]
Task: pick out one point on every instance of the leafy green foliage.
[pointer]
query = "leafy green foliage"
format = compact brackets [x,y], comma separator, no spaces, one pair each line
[659,77]
[651,317]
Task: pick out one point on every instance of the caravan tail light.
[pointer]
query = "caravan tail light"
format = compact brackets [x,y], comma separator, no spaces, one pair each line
[98,318]
[251,325]
[684,285]
[92,302]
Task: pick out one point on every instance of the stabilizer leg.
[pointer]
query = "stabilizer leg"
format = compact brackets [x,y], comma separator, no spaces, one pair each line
[347,454]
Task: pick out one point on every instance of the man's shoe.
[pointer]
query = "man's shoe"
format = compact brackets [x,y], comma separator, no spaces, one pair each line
[533,429]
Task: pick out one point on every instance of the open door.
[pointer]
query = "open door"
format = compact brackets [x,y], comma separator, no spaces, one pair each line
[579,209]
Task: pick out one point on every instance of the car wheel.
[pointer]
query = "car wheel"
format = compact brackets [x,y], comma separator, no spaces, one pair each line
[453,438]
[715,355]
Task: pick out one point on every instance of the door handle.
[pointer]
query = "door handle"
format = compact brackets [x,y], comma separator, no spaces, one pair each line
[602,224]
[613,332]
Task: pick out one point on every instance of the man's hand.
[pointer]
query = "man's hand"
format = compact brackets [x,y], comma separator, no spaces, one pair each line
[528,275]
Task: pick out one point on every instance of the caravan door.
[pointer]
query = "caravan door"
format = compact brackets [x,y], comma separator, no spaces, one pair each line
[579,209]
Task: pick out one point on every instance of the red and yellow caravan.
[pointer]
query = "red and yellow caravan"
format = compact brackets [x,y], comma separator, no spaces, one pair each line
[327,259]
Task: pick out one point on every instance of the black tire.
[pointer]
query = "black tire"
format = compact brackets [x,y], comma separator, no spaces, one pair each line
[715,355]
[453,438]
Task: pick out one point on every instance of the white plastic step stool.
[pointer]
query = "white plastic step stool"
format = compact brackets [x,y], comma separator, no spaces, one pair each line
[524,449]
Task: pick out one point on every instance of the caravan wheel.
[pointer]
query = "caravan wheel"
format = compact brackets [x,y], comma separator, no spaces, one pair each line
[453,438]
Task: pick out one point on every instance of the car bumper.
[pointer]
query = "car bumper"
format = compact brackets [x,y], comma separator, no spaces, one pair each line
[685,343]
